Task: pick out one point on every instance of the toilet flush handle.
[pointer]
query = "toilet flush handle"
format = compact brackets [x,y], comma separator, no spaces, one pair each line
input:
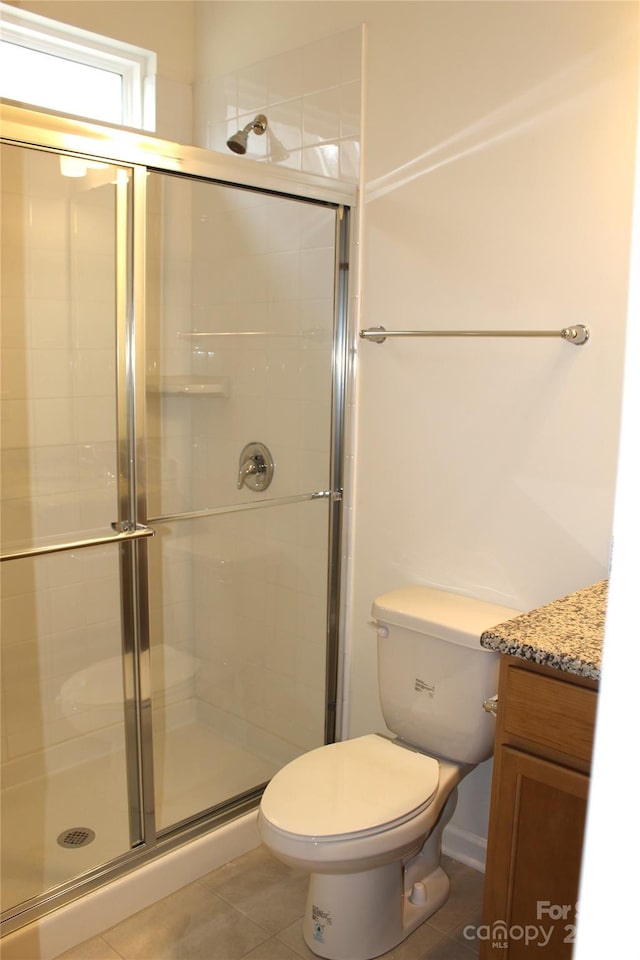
[491,705]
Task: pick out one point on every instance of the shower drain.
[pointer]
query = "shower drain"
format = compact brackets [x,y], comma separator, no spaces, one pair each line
[76,837]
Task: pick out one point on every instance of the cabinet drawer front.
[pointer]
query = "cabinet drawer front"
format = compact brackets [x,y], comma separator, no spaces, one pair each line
[558,714]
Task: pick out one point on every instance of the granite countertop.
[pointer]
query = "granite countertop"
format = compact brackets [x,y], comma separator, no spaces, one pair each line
[566,634]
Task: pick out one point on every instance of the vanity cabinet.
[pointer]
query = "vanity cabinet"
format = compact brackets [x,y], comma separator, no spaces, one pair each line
[544,739]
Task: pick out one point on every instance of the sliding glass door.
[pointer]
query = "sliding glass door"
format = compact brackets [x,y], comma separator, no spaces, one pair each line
[240,354]
[67,633]
[172,379]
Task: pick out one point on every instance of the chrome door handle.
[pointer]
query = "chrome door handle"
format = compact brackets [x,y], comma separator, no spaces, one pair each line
[122,534]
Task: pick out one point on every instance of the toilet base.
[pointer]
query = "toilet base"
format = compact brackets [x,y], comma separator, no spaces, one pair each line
[358,916]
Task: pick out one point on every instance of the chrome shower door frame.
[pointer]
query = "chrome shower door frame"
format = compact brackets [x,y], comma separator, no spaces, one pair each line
[128,535]
[333,495]
[136,155]
[132,501]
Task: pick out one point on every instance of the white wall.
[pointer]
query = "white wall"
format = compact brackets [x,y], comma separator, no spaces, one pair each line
[499,472]
[164,26]
[498,151]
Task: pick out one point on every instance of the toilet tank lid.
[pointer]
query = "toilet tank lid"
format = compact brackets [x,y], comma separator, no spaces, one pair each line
[447,616]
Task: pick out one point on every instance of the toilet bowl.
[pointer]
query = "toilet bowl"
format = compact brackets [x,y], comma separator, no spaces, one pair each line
[360,810]
[365,816]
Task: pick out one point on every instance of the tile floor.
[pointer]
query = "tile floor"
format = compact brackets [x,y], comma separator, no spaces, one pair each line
[252,909]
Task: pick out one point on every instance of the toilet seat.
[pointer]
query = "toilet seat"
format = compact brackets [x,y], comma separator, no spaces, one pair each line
[350,789]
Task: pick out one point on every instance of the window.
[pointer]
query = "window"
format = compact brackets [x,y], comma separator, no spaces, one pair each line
[60,67]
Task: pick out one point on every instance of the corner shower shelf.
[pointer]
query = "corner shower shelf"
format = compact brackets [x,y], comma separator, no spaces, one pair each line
[189,386]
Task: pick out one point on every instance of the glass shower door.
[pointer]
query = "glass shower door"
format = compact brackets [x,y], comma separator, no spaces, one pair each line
[227,299]
[65,766]
[240,350]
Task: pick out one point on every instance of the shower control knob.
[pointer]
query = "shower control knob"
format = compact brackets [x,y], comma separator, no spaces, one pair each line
[256,466]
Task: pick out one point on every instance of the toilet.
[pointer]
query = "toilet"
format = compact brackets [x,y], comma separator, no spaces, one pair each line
[365,816]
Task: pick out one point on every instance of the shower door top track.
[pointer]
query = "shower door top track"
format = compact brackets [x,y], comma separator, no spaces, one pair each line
[30,127]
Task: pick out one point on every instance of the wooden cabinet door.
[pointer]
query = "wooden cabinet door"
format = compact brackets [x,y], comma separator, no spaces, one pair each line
[533,868]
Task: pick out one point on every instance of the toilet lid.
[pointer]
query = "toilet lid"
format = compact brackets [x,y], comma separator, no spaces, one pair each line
[351,787]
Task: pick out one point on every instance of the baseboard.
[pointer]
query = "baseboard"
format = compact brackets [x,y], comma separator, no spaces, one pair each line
[466,847]
[97,911]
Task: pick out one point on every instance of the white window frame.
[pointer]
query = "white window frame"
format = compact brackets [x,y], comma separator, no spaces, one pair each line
[136,66]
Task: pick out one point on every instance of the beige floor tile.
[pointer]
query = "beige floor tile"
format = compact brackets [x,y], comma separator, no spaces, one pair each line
[417,945]
[292,937]
[448,949]
[265,890]
[272,949]
[191,924]
[274,907]
[466,932]
[94,949]
[252,909]
[465,898]
[250,871]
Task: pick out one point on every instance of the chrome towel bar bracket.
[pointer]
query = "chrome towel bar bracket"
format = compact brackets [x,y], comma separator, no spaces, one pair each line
[577,335]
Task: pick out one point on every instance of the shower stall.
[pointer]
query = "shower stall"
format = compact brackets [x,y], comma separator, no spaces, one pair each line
[173,378]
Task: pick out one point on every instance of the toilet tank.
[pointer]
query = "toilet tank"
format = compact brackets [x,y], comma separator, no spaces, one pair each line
[433,675]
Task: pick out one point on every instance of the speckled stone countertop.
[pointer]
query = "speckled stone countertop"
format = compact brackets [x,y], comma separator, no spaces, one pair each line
[566,634]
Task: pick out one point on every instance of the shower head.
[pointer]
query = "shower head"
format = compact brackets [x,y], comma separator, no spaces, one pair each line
[238,142]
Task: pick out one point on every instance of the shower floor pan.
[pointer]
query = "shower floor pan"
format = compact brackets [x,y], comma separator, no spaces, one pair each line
[199,768]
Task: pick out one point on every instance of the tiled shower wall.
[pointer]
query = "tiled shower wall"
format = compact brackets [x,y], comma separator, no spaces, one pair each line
[246,303]
[58,449]
[311,98]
